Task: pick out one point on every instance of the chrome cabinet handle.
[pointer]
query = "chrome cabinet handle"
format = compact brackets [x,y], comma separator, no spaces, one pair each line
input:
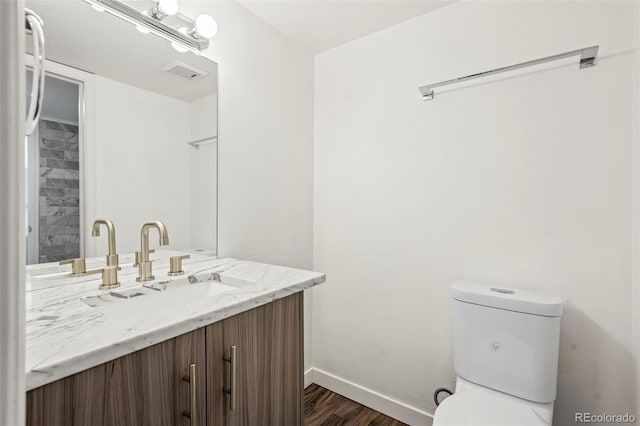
[34,27]
[231,390]
[192,413]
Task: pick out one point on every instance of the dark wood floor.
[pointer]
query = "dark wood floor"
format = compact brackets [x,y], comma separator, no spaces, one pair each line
[325,408]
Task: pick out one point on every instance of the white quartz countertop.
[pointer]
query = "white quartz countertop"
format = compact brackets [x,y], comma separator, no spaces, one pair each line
[71,325]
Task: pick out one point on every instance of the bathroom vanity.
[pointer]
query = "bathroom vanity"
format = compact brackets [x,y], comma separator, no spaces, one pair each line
[218,344]
[221,344]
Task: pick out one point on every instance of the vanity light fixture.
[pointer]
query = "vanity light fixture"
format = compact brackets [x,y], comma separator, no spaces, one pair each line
[196,39]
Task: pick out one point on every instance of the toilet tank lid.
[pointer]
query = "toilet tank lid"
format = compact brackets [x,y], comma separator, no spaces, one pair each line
[511,299]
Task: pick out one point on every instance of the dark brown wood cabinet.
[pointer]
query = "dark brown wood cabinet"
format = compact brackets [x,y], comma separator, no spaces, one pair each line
[154,386]
[268,366]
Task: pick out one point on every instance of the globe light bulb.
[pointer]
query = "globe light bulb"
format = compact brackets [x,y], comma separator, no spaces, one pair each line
[206,26]
[168,7]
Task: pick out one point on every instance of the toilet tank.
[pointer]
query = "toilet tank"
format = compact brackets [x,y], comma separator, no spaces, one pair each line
[507,339]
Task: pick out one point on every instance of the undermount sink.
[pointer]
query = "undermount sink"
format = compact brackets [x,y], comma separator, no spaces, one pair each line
[116,296]
[199,284]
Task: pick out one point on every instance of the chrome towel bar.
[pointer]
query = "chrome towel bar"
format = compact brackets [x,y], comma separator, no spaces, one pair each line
[587,59]
[203,141]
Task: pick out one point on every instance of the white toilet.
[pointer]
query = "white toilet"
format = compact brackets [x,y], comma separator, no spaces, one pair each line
[505,345]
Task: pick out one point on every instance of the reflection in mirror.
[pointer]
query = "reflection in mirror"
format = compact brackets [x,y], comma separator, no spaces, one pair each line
[53,175]
[128,132]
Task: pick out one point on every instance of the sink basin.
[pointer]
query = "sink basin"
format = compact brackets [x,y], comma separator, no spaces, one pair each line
[116,296]
[200,284]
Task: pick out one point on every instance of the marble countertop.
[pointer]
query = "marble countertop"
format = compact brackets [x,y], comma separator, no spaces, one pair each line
[71,325]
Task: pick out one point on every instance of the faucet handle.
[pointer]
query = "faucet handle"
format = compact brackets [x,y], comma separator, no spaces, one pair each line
[138,257]
[109,276]
[175,265]
[78,266]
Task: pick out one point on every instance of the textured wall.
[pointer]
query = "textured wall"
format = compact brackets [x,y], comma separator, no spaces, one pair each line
[59,233]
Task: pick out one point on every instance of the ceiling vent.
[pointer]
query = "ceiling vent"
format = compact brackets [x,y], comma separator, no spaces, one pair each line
[185,71]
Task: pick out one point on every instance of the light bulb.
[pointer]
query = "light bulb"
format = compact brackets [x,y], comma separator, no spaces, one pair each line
[168,7]
[164,8]
[206,26]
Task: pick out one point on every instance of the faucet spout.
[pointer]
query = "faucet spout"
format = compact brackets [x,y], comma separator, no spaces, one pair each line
[112,257]
[144,238]
[144,267]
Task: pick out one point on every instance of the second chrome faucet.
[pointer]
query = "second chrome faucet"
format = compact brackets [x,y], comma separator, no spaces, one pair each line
[144,265]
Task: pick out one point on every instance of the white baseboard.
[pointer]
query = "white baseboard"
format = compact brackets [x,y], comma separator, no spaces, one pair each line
[367,397]
[308,377]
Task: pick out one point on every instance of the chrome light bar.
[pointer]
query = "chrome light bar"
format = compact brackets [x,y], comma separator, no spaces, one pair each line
[134,16]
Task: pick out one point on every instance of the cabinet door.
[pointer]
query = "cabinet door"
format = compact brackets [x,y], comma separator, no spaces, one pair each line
[293,359]
[144,388]
[269,376]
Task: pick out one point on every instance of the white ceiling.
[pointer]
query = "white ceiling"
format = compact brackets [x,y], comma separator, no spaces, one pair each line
[318,25]
[78,36]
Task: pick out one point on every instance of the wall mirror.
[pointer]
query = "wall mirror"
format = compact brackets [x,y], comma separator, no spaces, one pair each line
[128,132]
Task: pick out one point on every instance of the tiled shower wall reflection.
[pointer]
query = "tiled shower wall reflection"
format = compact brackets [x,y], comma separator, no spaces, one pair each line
[59,191]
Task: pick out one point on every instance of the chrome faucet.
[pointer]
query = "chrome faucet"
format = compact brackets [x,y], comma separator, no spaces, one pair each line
[144,266]
[112,257]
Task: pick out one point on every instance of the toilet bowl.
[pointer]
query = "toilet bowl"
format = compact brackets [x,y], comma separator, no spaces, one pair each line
[505,345]
[474,405]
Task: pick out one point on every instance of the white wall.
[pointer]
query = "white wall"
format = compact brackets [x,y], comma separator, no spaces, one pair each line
[265,141]
[265,146]
[203,171]
[523,181]
[138,143]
